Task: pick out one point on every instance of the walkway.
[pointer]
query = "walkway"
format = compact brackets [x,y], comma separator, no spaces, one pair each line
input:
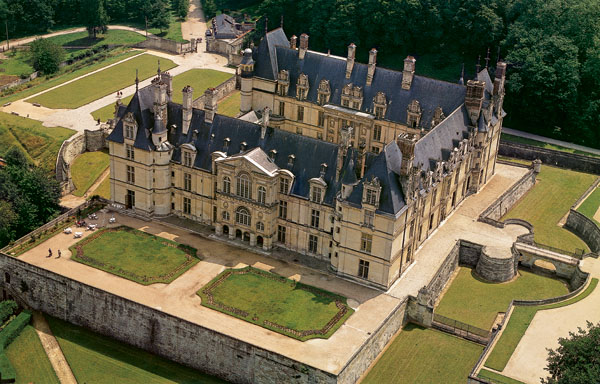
[548,140]
[55,354]
[529,358]
[195,25]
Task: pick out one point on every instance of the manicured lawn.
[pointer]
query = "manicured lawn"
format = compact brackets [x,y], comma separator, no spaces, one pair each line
[290,308]
[93,87]
[135,255]
[39,143]
[230,106]
[541,144]
[548,201]
[108,112]
[17,64]
[590,205]
[111,37]
[173,33]
[29,359]
[103,189]
[476,302]
[494,377]
[86,169]
[420,355]
[98,359]
[517,325]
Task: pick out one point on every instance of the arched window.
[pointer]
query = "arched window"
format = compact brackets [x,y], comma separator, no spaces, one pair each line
[226,185]
[242,216]
[262,195]
[243,186]
[225,215]
[260,226]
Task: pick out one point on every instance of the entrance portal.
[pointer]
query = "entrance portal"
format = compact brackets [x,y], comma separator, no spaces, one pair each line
[246,236]
[259,241]
[226,230]
[238,234]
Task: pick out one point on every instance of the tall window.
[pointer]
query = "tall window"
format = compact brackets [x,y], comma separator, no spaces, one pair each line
[226,185]
[242,216]
[379,112]
[225,215]
[130,174]
[365,242]
[282,108]
[316,195]
[371,197]
[283,209]
[369,218]
[243,186]
[312,243]
[355,105]
[187,159]
[346,103]
[377,132]
[129,132]
[322,98]
[187,206]
[281,234]
[314,218]
[262,195]
[363,269]
[130,199]
[260,226]
[300,113]
[284,185]
[130,152]
[321,118]
[187,182]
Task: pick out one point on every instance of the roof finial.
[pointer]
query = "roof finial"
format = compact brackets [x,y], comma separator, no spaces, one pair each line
[137,80]
[266,24]
[158,71]
[478,66]
[498,59]
[487,58]
[462,75]
[281,22]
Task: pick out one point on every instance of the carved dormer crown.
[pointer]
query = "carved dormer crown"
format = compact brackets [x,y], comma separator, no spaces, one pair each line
[324,92]
[379,105]
[302,87]
[283,82]
[413,114]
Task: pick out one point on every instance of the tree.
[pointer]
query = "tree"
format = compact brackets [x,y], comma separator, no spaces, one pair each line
[209,8]
[94,16]
[46,55]
[158,15]
[181,7]
[577,359]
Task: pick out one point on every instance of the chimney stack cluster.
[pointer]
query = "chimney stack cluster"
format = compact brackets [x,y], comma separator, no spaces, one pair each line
[350,59]
[303,45]
[372,64]
[408,73]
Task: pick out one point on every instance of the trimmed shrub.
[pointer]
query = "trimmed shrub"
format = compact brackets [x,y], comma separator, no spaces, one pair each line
[7,308]
[14,328]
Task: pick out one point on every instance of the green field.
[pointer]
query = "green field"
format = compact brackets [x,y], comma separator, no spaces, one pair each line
[590,205]
[199,79]
[98,85]
[86,169]
[230,106]
[135,255]
[173,33]
[420,355]
[496,378]
[517,325]
[97,359]
[477,302]
[264,296]
[28,358]
[111,37]
[40,144]
[16,64]
[548,201]
[103,189]
[541,144]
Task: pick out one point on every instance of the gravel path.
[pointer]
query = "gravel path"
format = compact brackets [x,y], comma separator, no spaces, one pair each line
[55,354]
[195,24]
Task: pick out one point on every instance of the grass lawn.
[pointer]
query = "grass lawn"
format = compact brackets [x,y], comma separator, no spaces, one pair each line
[548,201]
[291,308]
[230,106]
[17,64]
[39,143]
[98,359]
[541,144]
[96,86]
[29,359]
[517,325]
[135,255]
[86,169]
[420,355]
[495,377]
[111,37]
[173,33]
[103,189]
[199,79]
[468,298]
[590,205]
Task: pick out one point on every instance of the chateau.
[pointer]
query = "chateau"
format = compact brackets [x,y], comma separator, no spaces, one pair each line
[349,163]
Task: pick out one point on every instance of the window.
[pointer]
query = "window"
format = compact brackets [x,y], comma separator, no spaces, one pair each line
[243,186]
[371,197]
[457,176]
[363,269]
[130,152]
[242,216]
[226,185]
[187,159]
[283,209]
[346,103]
[225,215]
[366,241]
[321,118]
[262,195]
[282,108]
[130,199]
[284,186]
[379,112]
[260,226]
[281,234]
[316,195]
[412,229]
[187,206]
[431,222]
[369,217]
[314,218]
[129,132]
[312,243]
[377,132]
[434,197]
[6,278]
[300,113]
[130,174]
[187,182]
[375,150]
[355,105]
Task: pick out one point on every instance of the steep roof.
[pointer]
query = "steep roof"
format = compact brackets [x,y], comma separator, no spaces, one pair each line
[226,27]
[267,53]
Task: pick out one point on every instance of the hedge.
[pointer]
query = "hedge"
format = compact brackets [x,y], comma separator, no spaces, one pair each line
[7,336]
[7,308]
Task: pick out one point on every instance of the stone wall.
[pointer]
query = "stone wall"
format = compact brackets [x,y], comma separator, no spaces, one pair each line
[230,48]
[171,46]
[19,81]
[169,336]
[548,156]
[585,228]
[469,253]
[497,269]
[223,90]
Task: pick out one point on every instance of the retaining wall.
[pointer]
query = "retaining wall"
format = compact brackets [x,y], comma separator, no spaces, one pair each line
[19,81]
[222,90]
[585,228]
[171,46]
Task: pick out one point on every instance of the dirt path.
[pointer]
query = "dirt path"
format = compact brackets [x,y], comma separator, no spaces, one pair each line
[55,354]
[195,24]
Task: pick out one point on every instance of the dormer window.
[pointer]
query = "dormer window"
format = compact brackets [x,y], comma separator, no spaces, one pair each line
[352,96]
[438,117]
[302,87]
[316,195]
[187,159]
[371,196]
[283,82]
[324,92]
[371,192]
[129,132]
[284,185]
[413,113]
[129,126]
[379,105]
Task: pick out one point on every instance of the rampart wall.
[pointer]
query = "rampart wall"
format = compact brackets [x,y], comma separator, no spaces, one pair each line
[222,90]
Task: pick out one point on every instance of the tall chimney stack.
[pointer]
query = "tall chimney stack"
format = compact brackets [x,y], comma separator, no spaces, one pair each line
[210,105]
[293,42]
[303,45]
[350,59]
[474,99]
[188,99]
[372,64]
[408,73]
[265,122]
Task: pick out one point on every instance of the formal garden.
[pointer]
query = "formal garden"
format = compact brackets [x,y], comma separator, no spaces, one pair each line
[274,302]
[135,255]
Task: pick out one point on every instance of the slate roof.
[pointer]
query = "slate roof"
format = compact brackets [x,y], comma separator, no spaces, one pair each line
[226,27]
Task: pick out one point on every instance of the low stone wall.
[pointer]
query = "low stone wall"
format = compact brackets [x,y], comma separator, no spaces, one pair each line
[469,253]
[497,269]
[230,48]
[548,156]
[585,228]
[222,91]
[19,81]
[171,46]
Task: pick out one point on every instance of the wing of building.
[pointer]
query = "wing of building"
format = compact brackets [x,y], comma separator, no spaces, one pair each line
[348,163]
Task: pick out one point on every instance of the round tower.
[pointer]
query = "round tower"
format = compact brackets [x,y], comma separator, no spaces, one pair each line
[246,73]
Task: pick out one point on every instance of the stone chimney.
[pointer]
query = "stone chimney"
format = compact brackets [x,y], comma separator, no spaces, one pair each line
[350,59]
[188,99]
[293,42]
[161,97]
[210,105]
[166,78]
[474,99]
[303,46]
[409,72]
[362,157]
[499,78]
[406,142]
[265,122]
[372,64]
